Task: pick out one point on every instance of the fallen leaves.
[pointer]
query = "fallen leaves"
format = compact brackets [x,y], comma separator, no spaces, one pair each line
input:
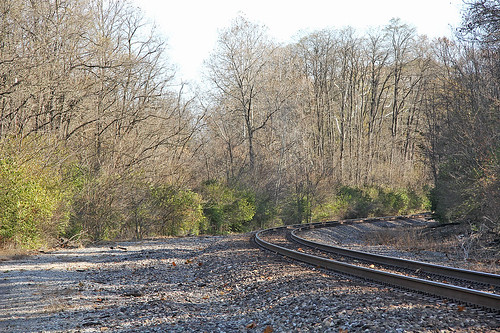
[251,325]
[259,295]
[267,329]
[187,262]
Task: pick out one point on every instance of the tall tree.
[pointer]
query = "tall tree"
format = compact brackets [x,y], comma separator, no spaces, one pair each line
[237,70]
[467,185]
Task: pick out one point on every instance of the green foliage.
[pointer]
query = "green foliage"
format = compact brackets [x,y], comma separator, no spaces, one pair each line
[353,202]
[33,201]
[296,209]
[227,209]
[358,201]
[330,210]
[122,206]
[179,211]
[76,176]
[266,212]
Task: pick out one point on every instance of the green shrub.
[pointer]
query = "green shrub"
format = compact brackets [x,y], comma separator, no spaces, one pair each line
[227,209]
[353,202]
[179,211]
[297,209]
[33,202]
[333,209]
[266,212]
[359,202]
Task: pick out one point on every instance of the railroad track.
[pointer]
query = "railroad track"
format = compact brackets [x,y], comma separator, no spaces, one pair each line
[480,291]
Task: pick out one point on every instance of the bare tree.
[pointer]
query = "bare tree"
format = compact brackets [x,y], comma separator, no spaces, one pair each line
[237,70]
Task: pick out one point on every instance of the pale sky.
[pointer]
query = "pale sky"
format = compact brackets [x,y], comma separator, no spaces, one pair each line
[191,26]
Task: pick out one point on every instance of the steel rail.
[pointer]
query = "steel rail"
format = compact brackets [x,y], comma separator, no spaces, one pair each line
[452,272]
[466,295]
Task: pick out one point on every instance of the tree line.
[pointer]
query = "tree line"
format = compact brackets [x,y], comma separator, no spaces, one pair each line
[98,141]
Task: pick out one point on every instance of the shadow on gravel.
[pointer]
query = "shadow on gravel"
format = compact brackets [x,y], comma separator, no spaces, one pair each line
[219,284]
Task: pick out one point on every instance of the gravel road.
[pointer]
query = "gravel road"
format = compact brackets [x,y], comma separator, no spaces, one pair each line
[208,284]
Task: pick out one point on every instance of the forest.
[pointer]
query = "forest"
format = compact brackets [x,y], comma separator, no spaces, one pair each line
[100,141]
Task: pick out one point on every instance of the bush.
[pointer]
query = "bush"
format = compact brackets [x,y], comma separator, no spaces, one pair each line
[95,210]
[469,190]
[227,209]
[296,209]
[179,211]
[354,202]
[266,212]
[34,202]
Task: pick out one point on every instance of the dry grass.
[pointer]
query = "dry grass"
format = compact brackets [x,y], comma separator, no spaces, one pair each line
[11,253]
[477,253]
[408,239]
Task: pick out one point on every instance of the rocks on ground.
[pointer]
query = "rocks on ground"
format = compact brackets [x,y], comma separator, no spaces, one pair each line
[208,284]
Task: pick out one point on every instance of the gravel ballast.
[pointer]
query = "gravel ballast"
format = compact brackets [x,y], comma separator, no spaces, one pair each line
[416,239]
[209,284]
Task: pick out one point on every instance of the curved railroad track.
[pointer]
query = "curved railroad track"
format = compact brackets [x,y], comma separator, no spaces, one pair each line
[464,286]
